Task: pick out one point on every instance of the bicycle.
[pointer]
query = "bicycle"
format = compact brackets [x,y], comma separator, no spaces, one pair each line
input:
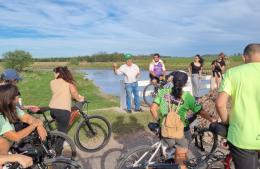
[44,153]
[156,155]
[151,90]
[93,132]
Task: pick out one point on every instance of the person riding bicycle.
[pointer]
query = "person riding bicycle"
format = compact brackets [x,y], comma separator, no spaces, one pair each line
[160,108]
[157,69]
[10,114]
[12,76]
[241,85]
[23,160]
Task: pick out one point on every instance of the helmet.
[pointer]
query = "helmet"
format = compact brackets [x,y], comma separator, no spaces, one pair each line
[10,74]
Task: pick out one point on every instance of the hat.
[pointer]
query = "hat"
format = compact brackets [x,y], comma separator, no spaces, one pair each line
[10,74]
[127,56]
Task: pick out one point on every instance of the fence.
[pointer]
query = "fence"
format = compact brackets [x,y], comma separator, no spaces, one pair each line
[204,88]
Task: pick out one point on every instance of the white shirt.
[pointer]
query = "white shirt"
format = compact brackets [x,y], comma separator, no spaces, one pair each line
[129,72]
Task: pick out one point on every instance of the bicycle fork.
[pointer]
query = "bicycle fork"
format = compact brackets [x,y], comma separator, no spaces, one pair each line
[87,122]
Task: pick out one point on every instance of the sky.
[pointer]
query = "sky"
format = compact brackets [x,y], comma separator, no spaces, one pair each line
[61,28]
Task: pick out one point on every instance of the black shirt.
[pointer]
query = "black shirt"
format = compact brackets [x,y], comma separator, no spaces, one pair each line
[195,69]
[221,63]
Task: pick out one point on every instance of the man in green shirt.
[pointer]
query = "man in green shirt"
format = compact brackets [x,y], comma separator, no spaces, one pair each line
[242,85]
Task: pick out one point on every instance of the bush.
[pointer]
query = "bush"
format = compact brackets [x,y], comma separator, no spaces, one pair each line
[17,60]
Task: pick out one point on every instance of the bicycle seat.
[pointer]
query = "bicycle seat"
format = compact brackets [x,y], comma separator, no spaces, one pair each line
[219,129]
[154,127]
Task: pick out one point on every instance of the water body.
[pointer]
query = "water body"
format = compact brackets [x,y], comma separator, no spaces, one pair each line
[109,83]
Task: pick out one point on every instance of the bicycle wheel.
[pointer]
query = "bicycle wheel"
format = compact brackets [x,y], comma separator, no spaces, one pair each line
[149,94]
[93,134]
[203,142]
[138,158]
[226,163]
[59,144]
[61,163]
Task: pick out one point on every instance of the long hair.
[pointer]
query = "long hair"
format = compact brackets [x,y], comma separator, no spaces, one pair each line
[179,80]
[64,73]
[8,92]
[201,60]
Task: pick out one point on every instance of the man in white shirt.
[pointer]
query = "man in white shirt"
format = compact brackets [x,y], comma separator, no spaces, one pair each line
[131,72]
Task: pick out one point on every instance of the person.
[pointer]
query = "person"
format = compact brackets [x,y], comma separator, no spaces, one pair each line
[23,160]
[195,71]
[218,67]
[241,84]
[63,90]
[10,114]
[159,109]
[13,77]
[131,72]
[157,69]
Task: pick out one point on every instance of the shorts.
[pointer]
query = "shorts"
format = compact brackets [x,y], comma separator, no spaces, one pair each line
[181,143]
[217,73]
[244,159]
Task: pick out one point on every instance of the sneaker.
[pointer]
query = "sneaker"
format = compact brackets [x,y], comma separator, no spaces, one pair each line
[129,111]
[139,110]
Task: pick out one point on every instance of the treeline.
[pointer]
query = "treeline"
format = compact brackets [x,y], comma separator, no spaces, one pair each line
[113,57]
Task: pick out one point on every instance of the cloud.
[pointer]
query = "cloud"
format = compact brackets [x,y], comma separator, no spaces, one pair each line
[80,27]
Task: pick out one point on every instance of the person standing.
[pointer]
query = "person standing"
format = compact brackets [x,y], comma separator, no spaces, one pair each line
[156,69]
[131,72]
[218,67]
[195,71]
[242,85]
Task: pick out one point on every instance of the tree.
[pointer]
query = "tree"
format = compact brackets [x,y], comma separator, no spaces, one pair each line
[17,60]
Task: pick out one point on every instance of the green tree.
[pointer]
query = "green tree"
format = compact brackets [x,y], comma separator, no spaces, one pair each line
[17,60]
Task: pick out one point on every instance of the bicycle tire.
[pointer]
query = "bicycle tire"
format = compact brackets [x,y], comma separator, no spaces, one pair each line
[61,163]
[149,96]
[127,163]
[205,141]
[69,151]
[100,125]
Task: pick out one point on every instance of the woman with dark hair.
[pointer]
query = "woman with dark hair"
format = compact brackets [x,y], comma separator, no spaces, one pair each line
[10,114]
[160,109]
[63,91]
[195,71]
[218,68]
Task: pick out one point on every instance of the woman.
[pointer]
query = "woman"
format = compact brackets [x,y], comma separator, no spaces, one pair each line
[159,110]
[10,114]
[63,91]
[218,68]
[195,71]
[23,160]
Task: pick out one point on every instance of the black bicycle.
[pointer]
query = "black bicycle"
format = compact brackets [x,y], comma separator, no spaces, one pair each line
[155,156]
[44,153]
[92,133]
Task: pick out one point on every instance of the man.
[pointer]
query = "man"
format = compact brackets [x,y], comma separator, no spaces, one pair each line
[157,69]
[242,85]
[131,72]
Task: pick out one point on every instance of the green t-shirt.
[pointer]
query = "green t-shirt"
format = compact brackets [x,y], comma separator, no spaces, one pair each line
[5,125]
[242,83]
[189,103]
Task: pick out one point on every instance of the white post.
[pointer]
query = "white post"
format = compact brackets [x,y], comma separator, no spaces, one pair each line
[122,95]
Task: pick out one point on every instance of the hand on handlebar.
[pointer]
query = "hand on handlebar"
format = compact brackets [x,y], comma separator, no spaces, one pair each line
[42,132]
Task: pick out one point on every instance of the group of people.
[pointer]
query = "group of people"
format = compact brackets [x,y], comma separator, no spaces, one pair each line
[241,84]
[12,111]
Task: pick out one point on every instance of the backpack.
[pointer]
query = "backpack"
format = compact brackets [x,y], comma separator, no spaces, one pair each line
[172,126]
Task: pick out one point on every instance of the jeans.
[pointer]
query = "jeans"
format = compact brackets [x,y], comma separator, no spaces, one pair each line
[195,81]
[132,88]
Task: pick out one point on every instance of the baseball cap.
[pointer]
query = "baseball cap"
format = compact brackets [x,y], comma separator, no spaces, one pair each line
[10,74]
[127,56]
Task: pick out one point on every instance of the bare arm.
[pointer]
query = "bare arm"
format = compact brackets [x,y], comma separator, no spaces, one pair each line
[200,72]
[189,68]
[221,106]
[25,161]
[74,93]
[154,111]
[17,136]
